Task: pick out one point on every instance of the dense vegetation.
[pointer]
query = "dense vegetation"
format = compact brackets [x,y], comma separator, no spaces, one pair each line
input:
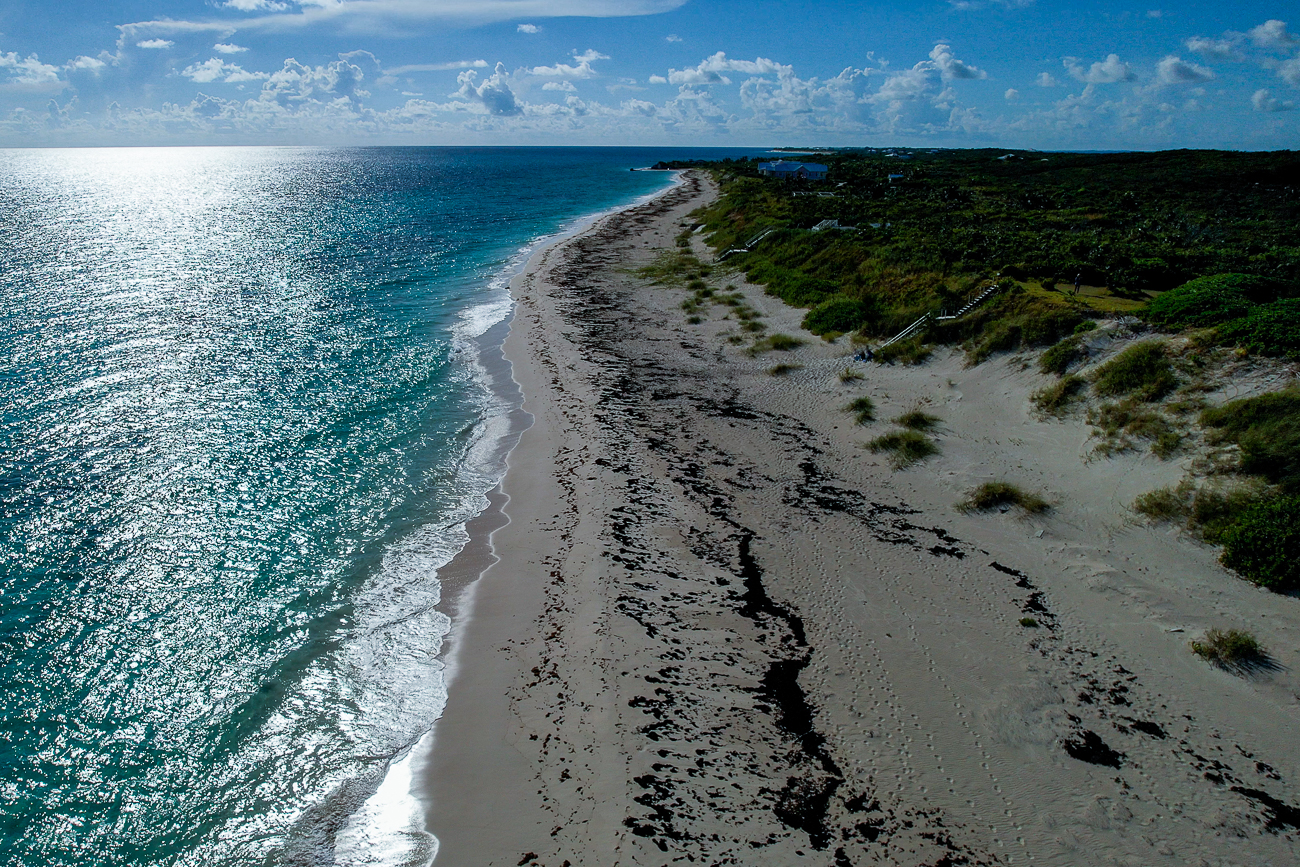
[933,228]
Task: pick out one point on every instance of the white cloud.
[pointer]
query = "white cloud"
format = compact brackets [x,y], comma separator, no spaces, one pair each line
[672,37]
[1046,79]
[1011,95]
[86,64]
[437,67]
[657,79]
[528,28]
[1217,49]
[256,5]
[494,94]
[228,48]
[155,43]
[216,69]
[559,85]
[1174,70]
[1155,13]
[1289,71]
[1109,71]
[28,73]
[583,68]
[1273,35]
[1265,101]
[950,68]
[709,70]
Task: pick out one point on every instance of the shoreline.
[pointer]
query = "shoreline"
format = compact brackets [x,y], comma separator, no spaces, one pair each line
[718,627]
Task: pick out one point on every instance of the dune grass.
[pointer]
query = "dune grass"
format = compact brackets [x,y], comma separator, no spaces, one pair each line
[1055,399]
[863,409]
[991,495]
[783,369]
[905,447]
[916,419]
[1232,647]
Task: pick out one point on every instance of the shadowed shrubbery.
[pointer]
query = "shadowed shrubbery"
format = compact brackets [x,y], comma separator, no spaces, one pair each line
[1267,428]
[1055,399]
[1209,301]
[1263,544]
[1142,370]
[1061,355]
[991,495]
[1229,648]
[838,314]
[1269,329]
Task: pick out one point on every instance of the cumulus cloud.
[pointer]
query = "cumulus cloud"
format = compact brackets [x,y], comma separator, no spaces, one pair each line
[1109,71]
[1263,100]
[950,67]
[255,5]
[28,73]
[672,37]
[709,70]
[528,28]
[581,69]
[559,85]
[1011,95]
[155,43]
[216,69]
[1174,70]
[1046,79]
[228,48]
[1273,35]
[1215,49]
[657,79]
[494,94]
[86,64]
[1290,71]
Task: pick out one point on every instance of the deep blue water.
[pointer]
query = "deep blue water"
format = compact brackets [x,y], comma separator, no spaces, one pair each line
[241,414]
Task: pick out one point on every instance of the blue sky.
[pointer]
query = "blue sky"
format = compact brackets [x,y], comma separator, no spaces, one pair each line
[963,73]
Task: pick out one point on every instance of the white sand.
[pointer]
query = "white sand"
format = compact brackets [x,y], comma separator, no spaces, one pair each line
[721,632]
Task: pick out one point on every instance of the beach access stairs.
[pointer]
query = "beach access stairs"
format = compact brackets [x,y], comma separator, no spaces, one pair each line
[748,245]
[943,316]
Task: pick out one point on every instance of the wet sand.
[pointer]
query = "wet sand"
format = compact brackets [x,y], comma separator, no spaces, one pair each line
[719,631]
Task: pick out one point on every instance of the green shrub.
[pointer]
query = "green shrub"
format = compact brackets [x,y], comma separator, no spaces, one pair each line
[1263,544]
[1061,355]
[848,375]
[1165,504]
[778,342]
[1232,647]
[836,314]
[905,447]
[1267,428]
[1269,329]
[863,409]
[1208,301]
[1085,326]
[1056,398]
[917,420]
[910,351]
[1029,622]
[1142,370]
[990,495]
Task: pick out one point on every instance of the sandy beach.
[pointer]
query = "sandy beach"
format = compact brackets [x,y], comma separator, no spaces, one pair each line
[719,631]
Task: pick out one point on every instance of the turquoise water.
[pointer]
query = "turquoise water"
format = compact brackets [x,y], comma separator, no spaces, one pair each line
[241,414]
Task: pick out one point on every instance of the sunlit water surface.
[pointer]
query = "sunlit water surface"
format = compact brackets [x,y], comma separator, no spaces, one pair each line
[240,415]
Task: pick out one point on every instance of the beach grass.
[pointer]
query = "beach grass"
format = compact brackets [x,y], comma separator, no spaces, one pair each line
[992,495]
[1232,647]
[904,447]
[863,409]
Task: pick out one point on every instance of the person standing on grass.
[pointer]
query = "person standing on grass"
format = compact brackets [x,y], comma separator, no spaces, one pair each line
[1078,278]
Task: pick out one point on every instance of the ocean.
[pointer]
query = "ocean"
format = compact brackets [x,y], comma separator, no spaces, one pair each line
[245,420]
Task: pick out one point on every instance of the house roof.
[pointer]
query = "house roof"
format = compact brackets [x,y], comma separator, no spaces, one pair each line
[787,166]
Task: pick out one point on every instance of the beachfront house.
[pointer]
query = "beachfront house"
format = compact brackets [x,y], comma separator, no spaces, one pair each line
[785,169]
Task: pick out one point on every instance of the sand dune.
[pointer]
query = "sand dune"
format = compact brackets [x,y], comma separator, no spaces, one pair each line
[722,632]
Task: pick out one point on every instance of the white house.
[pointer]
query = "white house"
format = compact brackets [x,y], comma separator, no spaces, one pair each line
[786,169]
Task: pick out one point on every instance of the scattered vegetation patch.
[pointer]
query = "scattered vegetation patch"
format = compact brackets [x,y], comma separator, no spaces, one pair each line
[905,447]
[849,375]
[1029,622]
[992,495]
[1267,429]
[1230,648]
[864,411]
[914,350]
[1061,355]
[777,342]
[1142,370]
[1056,399]
[672,266]
[784,369]
[1119,424]
[917,419]
[1270,329]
